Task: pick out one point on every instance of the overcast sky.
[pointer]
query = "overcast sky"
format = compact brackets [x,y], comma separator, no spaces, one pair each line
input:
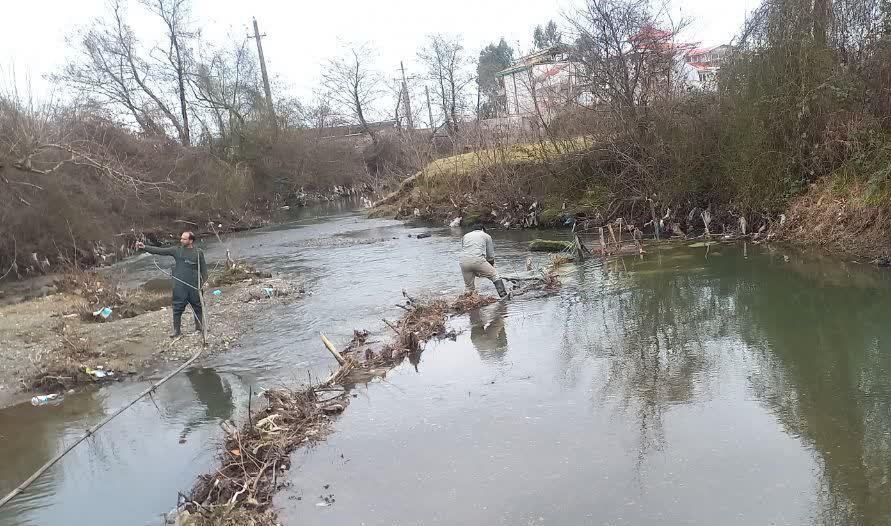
[301,34]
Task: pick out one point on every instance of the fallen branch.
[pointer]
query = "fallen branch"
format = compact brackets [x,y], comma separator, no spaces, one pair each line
[330,346]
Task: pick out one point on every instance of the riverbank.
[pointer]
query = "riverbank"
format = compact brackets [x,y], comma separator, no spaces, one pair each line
[535,186]
[50,346]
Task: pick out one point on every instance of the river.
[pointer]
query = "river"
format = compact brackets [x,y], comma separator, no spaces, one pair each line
[727,384]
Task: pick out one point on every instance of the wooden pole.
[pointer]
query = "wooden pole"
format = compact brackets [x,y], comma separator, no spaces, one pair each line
[201,301]
[258,37]
[407,100]
[429,108]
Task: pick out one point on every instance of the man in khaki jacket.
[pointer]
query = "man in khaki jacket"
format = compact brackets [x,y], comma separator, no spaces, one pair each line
[478,259]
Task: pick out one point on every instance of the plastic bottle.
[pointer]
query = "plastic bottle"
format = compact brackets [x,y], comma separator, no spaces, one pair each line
[45,399]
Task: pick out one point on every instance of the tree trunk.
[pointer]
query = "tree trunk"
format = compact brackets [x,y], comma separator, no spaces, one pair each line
[184,134]
[821,22]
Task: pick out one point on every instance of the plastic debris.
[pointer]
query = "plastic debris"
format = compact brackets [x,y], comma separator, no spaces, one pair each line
[455,222]
[104,312]
[46,399]
[217,292]
[270,292]
[99,372]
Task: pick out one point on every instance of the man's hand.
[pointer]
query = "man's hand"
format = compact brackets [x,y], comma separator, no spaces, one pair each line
[140,245]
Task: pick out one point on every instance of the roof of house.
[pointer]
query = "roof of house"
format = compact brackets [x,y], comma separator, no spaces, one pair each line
[542,56]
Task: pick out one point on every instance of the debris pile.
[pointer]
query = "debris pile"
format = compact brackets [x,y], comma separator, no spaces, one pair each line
[255,456]
[235,272]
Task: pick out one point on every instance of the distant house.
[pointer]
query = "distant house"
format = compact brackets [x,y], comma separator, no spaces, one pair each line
[538,85]
[703,65]
[353,130]
[693,67]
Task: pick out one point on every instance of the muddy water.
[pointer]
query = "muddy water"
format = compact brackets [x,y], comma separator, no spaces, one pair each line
[707,385]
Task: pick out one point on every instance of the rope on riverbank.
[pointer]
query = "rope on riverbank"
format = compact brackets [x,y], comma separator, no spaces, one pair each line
[91,431]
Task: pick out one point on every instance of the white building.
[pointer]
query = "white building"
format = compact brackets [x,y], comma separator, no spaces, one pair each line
[538,85]
[702,66]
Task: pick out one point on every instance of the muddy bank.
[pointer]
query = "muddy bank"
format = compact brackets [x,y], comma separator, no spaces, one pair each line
[842,217]
[51,344]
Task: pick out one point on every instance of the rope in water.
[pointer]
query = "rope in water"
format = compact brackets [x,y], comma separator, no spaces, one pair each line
[89,432]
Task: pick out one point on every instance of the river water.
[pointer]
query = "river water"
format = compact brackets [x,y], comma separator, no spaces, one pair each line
[728,384]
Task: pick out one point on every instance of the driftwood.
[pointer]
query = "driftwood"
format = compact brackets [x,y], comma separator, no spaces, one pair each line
[404,188]
[330,346]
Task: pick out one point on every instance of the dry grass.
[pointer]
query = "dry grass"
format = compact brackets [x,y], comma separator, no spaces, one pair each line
[235,272]
[835,215]
[63,367]
[98,290]
[467,165]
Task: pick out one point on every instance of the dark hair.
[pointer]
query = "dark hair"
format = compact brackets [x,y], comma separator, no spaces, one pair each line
[478,226]
[191,235]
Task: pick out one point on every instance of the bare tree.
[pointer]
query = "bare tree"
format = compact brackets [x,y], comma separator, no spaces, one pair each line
[177,55]
[112,70]
[626,51]
[353,85]
[446,65]
[226,88]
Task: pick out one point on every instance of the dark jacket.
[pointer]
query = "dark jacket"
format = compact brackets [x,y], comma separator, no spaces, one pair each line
[186,269]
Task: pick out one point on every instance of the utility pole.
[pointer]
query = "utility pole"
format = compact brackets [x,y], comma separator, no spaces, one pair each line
[429,108]
[408,116]
[258,37]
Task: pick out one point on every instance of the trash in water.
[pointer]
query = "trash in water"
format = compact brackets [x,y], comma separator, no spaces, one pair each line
[46,399]
[455,222]
[99,372]
[217,292]
[105,312]
[269,292]
[327,500]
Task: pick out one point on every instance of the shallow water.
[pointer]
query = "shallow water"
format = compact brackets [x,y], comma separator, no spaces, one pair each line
[729,384]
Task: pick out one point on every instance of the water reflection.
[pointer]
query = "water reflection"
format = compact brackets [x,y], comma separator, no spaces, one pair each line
[213,393]
[488,333]
[819,342]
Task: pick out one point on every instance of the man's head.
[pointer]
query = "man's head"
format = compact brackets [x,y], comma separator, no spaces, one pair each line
[186,239]
[478,226]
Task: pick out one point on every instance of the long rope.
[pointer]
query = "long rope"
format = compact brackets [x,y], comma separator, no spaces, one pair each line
[89,432]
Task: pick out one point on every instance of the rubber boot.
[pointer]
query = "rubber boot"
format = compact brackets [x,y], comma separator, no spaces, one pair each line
[499,286]
[177,327]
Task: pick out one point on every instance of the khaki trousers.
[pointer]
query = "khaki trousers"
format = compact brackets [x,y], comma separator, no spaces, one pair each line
[473,268]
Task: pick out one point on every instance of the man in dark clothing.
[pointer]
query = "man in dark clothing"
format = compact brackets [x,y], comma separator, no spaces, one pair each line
[185,278]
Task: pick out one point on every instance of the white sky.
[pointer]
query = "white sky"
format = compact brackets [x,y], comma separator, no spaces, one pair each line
[301,34]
